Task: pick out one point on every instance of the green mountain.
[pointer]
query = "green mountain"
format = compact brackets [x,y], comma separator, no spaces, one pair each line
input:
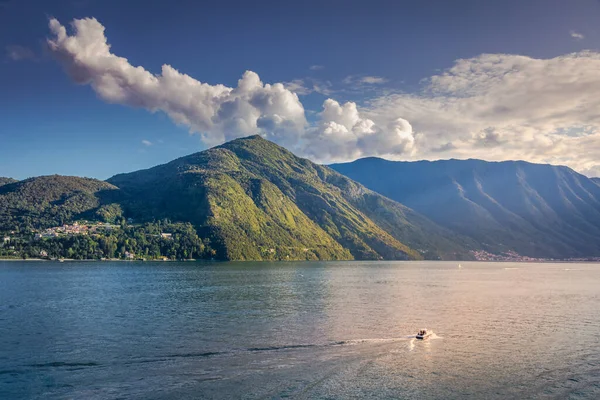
[257,201]
[535,210]
[248,199]
[5,181]
[48,201]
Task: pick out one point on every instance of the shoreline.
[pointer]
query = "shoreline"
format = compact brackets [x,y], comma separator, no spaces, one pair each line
[92,260]
[294,261]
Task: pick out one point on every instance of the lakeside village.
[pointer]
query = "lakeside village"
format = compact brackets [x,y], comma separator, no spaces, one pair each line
[511,256]
[88,229]
[149,244]
[103,241]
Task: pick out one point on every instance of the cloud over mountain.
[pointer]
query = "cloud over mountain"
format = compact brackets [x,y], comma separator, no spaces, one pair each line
[500,106]
[217,112]
[344,134]
[494,106]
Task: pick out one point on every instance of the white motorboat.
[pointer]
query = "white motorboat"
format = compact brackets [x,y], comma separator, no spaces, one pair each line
[423,334]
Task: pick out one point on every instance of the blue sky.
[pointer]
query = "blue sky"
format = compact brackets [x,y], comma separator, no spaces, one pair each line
[392,60]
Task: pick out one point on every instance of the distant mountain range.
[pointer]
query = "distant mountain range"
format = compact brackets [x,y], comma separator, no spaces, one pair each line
[535,210]
[251,199]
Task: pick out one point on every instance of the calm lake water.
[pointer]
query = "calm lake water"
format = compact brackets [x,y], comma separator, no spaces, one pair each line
[299,330]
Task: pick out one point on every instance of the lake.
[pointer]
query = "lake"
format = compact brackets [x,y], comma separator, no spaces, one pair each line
[328,330]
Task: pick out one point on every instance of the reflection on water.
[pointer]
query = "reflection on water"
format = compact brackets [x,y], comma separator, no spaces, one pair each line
[303,330]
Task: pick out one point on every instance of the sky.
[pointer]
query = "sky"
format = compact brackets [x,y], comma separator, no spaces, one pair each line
[94,88]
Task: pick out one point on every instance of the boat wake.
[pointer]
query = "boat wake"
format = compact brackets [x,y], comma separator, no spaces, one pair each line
[411,339]
[411,344]
[349,342]
[376,340]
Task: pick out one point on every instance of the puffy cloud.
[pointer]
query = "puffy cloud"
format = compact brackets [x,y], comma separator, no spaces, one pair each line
[146,142]
[19,53]
[576,35]
[217,112]
[499,106]
[344,134]
[220,113]
[316,67]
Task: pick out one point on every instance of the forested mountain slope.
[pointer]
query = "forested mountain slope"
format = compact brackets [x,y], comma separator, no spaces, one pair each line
[533,209]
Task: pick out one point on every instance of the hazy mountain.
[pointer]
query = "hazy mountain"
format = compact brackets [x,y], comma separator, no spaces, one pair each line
[256,200]
[4,181]
[48,201]
[536,210]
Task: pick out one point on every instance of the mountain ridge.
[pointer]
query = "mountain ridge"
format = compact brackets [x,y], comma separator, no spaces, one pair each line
[5,180]
[259,173]
[51,200]
[538,210]
[250,199]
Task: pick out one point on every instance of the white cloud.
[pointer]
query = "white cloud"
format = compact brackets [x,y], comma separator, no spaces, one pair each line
[576,35]
[494,106]
[363,80]
[298,86]
[146,142]
[499,107]
[219,113]
[344,134]
[316,67]
[303,87]
[373,80]
[19,53]
[322,87]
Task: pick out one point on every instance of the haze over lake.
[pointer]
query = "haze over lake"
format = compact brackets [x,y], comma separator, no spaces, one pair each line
[300,329]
